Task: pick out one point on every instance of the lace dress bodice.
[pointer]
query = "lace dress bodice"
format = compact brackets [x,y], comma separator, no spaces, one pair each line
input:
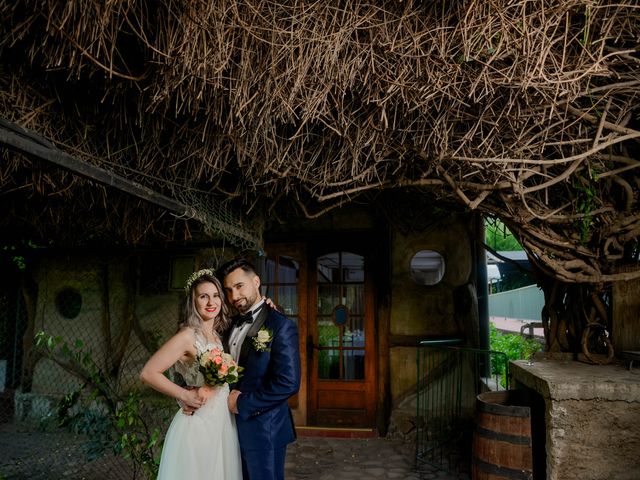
[189,370]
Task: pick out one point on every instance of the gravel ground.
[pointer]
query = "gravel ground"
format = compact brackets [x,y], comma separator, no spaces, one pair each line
[26,453]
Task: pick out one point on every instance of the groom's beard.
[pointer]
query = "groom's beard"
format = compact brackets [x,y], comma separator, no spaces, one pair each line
[244,304]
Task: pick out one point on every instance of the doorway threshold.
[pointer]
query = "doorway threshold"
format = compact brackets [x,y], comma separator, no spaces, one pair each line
[336,432]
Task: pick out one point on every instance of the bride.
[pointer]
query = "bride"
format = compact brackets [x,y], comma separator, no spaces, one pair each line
[201,444]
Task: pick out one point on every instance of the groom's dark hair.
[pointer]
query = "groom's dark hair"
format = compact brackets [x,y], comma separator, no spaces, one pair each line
[231,265]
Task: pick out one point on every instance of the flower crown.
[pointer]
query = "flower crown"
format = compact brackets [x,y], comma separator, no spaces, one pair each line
[196,275]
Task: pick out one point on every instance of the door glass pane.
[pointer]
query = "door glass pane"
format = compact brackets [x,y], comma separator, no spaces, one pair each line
[354,333]
[288,300]
[352,267]
[328,298]
[329,268]
[288,270]
[269,274]
[353,361]
[329,364]
[279,282]
[328,333]
[354,298]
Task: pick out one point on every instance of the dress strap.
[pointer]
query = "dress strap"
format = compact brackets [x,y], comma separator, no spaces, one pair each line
[200,342]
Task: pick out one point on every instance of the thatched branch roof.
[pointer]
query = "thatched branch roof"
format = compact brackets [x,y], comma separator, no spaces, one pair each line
[524,110]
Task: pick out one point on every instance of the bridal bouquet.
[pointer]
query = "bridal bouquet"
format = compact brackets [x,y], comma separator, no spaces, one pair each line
[218,367]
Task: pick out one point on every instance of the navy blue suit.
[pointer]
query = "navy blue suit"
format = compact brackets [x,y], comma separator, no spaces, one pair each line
[264,421]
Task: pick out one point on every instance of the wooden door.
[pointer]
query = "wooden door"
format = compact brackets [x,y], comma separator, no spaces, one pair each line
[341,344]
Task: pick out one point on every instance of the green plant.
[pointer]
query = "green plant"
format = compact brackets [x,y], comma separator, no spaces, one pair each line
[586,203]
[110,420]
[515,347]
[136,441]
[499,237]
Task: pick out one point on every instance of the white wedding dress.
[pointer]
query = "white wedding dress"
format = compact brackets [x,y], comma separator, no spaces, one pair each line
[202,446]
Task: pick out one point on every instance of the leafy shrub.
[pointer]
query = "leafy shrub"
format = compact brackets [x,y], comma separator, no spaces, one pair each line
[515,347]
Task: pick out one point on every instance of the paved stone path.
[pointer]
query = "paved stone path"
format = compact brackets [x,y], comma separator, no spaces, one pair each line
[313,458]
[27,454]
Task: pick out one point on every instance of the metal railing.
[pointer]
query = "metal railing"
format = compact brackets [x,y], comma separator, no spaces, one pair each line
[449,379]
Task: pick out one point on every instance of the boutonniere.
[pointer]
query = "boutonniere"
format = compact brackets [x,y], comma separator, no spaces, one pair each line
[262,340]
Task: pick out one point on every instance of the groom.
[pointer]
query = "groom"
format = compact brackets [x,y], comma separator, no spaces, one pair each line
[265,343]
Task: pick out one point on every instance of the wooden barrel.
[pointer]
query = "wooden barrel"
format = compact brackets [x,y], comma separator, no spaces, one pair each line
[502,437]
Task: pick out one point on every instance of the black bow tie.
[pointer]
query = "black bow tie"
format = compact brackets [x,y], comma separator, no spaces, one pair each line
[247,317]
[243,318]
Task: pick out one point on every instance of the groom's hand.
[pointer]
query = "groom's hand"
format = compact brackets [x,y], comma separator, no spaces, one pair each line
[232,401]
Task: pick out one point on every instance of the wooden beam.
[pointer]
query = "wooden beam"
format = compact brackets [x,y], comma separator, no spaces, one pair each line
[33,145]
[26,143]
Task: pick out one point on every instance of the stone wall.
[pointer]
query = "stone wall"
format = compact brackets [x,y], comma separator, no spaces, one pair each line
[592,417]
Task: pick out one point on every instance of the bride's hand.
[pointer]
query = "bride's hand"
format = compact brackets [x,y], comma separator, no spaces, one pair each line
[269,302]
[192,399]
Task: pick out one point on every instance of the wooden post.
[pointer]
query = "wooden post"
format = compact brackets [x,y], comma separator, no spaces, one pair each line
[625,324]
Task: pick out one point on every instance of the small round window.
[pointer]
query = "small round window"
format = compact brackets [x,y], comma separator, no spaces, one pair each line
[68,303]
[427,267]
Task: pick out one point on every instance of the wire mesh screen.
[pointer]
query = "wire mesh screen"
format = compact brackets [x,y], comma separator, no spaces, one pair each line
[449,380]
[109,314]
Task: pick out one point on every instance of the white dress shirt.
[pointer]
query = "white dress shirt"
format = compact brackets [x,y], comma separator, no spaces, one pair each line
[236,339]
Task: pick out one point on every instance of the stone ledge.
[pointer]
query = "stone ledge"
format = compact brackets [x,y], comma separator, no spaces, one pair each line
[566,379]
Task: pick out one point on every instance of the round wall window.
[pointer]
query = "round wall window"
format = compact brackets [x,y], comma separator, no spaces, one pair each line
[427,267]
[69,303]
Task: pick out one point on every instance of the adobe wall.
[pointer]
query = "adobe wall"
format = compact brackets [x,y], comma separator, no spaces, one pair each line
[158,315]
[446,309]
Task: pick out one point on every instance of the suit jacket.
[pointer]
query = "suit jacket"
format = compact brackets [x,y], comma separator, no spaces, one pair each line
[269,378]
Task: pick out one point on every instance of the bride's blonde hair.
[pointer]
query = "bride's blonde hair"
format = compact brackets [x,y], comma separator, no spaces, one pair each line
[190,316]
